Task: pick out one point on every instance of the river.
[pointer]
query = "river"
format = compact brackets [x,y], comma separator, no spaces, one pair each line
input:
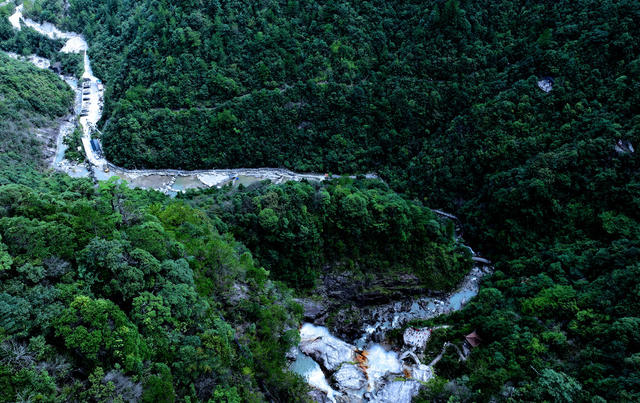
[169,181]
[366,370]
[359,370]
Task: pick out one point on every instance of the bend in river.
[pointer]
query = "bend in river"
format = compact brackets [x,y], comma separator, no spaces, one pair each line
[90,91]
[362,370]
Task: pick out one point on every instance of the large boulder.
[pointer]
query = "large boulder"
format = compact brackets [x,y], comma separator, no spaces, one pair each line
[397,392]
[349,377]
[328,351]
[312,310]
[416,338]
[421,372]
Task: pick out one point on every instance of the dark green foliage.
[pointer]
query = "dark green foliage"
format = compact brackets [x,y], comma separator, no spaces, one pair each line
[440,98]
[297,230]
[29,100]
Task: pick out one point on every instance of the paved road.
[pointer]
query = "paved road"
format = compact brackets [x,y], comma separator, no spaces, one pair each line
[166,180]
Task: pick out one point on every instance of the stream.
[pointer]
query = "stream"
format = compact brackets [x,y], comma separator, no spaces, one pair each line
[168,181]
[363,369]
[367,369]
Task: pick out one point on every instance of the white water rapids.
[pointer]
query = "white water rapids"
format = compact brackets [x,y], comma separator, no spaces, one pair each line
[364,370]
[345,372]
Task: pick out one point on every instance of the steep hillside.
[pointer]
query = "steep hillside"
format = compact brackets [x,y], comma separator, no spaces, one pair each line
[113,294]
[108,293]
[30,101]
[442,99]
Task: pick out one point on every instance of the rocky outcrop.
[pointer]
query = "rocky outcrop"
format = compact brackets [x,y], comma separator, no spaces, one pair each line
[349,378]
[347,286]
[312,309]
[345,301]
[330,352]
[416,338]
[422,373]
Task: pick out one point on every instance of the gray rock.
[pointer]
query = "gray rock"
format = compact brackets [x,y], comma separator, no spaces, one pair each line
[397,392]
[349,376]
[238,293]
[328,351]
[422,372]
[292,353]
[318,396]
[416,338]
[312,309]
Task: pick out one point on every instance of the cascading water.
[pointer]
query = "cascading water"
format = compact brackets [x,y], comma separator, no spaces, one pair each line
[388,375]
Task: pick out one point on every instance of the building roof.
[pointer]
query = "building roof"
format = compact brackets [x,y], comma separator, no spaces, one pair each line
[473,339]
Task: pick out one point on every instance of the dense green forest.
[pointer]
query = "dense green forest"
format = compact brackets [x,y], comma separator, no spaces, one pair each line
[440,98]
[30,99]
[112,294]
[346,86]
[301,230]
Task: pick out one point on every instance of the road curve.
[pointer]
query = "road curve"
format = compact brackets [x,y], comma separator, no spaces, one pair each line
[89,113]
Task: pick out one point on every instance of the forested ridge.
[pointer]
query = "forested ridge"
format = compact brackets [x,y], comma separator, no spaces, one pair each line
[30,100]
[441,99]
[301,230]
[112,294]
[349,86]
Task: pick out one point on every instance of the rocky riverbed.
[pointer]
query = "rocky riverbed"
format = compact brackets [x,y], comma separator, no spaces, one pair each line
[359,365]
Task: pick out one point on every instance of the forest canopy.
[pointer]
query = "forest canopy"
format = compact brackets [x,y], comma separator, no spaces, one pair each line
[440,98]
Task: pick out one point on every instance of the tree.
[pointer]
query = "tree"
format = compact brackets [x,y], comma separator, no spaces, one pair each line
[101,332]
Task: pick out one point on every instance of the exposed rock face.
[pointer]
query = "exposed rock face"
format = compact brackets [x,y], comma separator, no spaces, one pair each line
[329,353]
[312,309]
[292,353]
[416,338]
[325,349]
[348,300]
[349,377]
[318,396]
[347,286]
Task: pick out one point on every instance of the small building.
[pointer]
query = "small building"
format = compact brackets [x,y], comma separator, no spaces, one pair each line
[95,145]
[473,339]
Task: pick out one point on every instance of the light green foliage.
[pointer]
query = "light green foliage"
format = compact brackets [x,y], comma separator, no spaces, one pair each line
[101,332]
[136,290]
[553,302]
[228,394]
[558,386]
[5,258]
